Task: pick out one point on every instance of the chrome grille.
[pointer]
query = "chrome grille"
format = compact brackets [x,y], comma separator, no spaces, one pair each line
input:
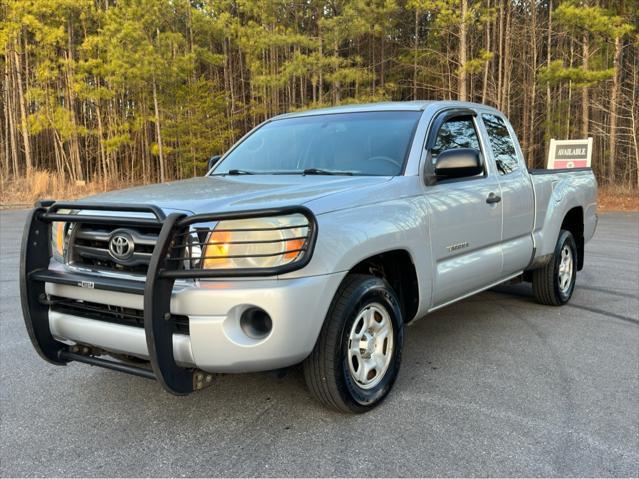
[89,247]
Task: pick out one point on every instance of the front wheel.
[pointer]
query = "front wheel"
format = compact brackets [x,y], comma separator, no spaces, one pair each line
[358,353]
[554,283]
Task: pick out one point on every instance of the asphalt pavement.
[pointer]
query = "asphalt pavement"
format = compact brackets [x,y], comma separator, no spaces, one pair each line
[495,385]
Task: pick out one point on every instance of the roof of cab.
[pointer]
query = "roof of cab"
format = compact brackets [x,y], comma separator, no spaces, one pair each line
[415,105]
[361,107]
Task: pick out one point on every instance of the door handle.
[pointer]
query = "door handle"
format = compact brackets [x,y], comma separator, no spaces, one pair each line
[493,198]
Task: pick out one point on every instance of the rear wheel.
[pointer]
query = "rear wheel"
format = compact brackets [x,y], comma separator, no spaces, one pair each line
[357,356]
[554,283]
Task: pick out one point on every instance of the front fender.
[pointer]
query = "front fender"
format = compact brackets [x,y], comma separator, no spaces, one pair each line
[347,237]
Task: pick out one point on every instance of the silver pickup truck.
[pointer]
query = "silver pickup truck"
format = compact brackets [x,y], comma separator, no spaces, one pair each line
[316,238]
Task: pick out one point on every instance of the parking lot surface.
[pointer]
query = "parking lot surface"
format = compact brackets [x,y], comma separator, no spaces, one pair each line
[495,385]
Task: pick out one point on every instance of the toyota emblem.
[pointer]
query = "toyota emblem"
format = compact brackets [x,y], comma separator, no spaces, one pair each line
[121,246]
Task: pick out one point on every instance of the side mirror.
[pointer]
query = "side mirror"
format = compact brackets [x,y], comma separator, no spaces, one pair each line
[213,160]
[458,163]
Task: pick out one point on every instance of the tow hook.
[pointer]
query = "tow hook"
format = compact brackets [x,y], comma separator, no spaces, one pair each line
[201,379]
[86,350]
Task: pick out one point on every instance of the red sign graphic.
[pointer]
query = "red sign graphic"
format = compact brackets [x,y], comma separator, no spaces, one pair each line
[571,164]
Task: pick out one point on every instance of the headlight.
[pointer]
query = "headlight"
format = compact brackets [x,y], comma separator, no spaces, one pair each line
[59,235]
[60,232]
[255,242]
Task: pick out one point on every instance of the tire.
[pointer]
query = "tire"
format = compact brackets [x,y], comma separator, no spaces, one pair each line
[338,372]
[552,284]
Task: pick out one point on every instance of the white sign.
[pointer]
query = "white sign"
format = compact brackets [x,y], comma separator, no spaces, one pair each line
[569,154]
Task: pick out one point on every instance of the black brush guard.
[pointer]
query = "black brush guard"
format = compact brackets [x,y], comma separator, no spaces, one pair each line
[164,268]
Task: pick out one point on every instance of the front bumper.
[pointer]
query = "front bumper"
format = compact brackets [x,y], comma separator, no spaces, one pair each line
[215,342]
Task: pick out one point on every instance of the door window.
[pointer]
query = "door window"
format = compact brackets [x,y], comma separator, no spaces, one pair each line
[501,144]
[458,132]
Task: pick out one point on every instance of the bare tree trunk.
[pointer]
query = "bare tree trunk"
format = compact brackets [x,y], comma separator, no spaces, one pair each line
[614,96]
[569,112]
[23,114]
[500,68]
[145,142]
[484,89]
[5,131]
[337,86]
[548,60]
[9,108]
[242,86]
[533,93]
[372,65]
[415,49]
[463,32]
[225,70]
[275,90]
[64,161]
[449,75]
[633,117]
[505,96]
[103,159]
[74,147]
[382,62]
[585,100]
[158,131]
[321,78]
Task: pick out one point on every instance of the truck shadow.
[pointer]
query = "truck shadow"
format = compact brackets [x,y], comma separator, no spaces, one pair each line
[452,331]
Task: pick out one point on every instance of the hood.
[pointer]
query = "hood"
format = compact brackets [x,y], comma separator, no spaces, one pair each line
[215,194]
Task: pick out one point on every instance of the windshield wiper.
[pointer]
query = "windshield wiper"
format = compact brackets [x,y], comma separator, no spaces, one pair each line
[319,171]
[234,172]
[308,171]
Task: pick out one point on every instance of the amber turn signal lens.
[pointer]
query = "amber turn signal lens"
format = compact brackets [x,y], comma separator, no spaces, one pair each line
[292,247]
[216,249]
[59,238]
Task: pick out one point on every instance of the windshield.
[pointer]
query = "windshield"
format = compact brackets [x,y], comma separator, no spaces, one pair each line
[371,143]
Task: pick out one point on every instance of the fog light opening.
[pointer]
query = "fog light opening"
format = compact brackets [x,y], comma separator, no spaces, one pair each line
[256,323]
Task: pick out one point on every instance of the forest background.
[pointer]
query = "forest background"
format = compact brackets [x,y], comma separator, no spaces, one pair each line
[99,94]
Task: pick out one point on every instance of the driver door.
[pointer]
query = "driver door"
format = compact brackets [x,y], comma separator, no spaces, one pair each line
[465,218]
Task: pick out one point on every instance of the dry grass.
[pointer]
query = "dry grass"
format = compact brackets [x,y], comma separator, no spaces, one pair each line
[616,198]
[23,192]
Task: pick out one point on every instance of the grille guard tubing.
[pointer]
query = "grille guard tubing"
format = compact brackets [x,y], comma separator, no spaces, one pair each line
[163,270]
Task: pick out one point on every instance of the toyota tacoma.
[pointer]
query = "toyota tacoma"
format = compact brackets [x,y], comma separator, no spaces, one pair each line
[315,239]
